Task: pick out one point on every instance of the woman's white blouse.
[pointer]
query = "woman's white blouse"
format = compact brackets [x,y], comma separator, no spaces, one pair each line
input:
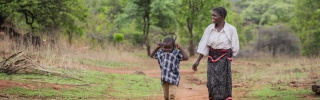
[225,39]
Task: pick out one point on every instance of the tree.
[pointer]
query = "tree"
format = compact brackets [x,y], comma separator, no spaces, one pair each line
[196,14]
[307,18]
[100,24]
[256,14]
[164,21]
[267,11]
[277,39]
[46,15]
[164,15]
[140,11]
[118,37]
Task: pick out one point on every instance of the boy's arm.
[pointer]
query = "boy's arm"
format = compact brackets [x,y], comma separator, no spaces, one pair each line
[184,54]
[155,50]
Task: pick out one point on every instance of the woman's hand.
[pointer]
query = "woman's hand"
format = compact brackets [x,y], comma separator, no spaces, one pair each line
[195,66]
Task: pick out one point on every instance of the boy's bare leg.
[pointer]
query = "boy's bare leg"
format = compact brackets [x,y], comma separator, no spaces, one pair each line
[172,91]
[165,89]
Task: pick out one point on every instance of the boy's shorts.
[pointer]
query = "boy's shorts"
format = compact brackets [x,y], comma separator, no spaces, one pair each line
[169,90]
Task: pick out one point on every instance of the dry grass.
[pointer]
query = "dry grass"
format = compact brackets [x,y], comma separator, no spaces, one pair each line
[248,73]
[64,55]
[292,73]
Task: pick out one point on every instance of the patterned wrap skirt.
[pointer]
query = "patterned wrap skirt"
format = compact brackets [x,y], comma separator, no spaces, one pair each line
[219,74]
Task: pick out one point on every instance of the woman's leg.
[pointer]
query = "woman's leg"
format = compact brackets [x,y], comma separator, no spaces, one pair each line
[219,79]
[228,79]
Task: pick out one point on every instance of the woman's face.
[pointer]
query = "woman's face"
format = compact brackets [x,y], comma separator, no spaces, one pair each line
[216,18]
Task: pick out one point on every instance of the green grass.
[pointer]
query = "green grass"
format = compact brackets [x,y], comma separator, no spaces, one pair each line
[278,92]
[134,88]
[101,63]
[101,85]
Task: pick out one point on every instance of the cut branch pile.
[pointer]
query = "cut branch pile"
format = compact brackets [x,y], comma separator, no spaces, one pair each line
[21,63]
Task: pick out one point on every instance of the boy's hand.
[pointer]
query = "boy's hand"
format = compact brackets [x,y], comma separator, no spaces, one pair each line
[178,46]
[194,66]
[159,45]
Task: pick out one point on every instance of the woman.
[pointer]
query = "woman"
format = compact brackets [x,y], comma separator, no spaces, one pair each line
[219,42]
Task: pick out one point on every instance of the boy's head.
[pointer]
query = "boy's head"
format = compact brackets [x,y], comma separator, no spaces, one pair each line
[168,44]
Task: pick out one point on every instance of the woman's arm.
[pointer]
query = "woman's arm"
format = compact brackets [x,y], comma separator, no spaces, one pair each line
[235,42]
[203,48]
[195,65]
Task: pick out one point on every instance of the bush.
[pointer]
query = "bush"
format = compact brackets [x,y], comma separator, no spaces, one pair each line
[277,39]
[135,39]
[118,37]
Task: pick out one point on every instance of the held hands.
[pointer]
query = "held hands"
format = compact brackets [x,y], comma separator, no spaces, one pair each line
[195,66]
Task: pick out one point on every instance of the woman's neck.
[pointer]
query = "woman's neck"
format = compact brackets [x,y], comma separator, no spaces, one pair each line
[220,24]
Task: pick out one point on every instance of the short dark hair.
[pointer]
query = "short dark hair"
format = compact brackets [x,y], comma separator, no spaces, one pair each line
[221,11]
[169,40]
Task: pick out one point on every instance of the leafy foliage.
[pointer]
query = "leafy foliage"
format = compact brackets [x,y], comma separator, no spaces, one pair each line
[140,11]
[267,11]
[300,16]
[164,14]
[118,37]
[307,24]
[46,14]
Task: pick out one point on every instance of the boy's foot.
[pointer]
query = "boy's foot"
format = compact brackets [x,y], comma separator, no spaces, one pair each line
[229,98]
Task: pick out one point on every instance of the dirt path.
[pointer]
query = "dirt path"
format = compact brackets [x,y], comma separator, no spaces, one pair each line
[189,87]
[187,90]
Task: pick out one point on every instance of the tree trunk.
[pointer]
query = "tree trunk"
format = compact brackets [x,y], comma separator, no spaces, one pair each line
[191,47]
[274,49]
[2,19]
[70,37]
[147,38]
[146,35]
[146,20]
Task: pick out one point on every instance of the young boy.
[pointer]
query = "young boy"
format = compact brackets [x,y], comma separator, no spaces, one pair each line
[169,56]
